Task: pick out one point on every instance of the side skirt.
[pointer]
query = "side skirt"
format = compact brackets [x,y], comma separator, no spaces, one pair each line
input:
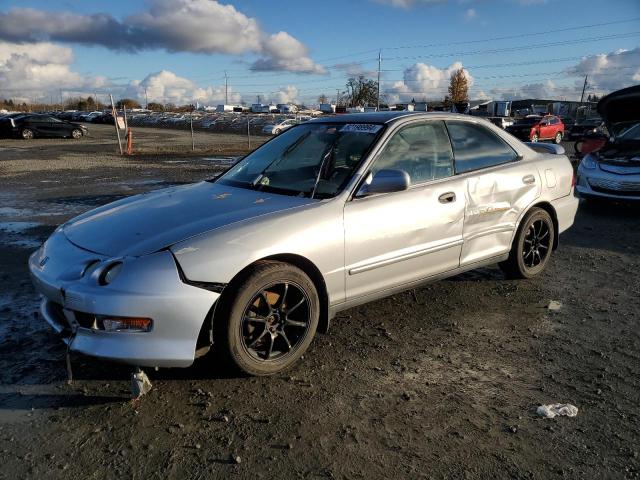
[350,303]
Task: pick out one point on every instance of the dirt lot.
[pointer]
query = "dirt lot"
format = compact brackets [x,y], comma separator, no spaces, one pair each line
[439,383]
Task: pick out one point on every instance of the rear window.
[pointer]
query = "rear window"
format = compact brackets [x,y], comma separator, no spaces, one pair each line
[528,121]
[475,147]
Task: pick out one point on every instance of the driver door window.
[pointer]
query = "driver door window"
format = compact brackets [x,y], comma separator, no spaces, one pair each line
[422,150]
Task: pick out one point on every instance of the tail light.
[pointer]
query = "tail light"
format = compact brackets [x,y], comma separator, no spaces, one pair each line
[574,180]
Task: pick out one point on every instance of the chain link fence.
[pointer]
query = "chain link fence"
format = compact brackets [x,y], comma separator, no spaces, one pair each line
[199,132]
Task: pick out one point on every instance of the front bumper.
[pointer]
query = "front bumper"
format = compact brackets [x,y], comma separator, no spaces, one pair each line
[148,286]
[595,183]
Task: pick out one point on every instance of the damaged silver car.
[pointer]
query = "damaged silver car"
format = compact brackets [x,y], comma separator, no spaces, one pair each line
[613,171]
[330,214]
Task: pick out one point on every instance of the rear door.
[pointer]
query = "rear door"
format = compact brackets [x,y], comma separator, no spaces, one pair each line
[500,187]
[396,238]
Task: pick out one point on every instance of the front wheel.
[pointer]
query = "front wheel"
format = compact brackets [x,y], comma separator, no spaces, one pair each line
[27,134]
[76,133]
[270,320]
[558,138]
[534,138]
[532,246]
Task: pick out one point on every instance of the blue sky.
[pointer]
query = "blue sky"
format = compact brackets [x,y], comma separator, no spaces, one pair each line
[422,41]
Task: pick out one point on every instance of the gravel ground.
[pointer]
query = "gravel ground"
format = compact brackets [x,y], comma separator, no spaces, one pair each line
[441,382]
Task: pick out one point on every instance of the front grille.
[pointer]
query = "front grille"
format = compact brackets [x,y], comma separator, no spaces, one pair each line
[615,186]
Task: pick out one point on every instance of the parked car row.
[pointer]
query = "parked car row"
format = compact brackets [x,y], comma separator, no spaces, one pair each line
[29,126]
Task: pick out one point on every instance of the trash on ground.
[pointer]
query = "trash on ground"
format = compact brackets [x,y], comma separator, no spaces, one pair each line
[557,410]
[554,305]
[140,383]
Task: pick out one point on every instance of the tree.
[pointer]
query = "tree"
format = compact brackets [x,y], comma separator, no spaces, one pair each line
[458,87]
[155,107]
[129,103]
[362,92]
[323,99]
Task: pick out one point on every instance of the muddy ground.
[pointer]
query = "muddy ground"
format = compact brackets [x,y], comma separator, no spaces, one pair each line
[442,382]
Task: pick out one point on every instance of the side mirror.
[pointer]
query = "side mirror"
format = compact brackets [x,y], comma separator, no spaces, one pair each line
[385,181]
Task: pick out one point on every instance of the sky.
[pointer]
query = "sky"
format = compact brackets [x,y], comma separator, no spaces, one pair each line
[178,51]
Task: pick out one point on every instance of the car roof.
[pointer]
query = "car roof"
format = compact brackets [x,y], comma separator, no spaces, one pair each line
[380,117]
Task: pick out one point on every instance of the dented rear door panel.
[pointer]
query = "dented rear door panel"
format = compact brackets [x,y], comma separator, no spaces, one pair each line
[496,199]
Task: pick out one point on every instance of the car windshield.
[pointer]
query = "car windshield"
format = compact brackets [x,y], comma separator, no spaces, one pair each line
[313,160]
[631,133]
[528,121]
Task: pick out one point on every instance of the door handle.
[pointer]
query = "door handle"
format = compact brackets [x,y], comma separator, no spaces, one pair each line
[528,179]
[448,197]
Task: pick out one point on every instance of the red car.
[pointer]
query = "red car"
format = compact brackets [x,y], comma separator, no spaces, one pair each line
[535,128]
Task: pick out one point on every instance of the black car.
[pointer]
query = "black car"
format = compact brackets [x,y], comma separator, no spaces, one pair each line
[585,127]
[30,126]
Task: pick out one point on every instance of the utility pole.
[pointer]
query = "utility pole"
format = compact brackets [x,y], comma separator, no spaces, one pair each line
[379,64]
[226,88]
[584,87]
[337,96]
[146,99]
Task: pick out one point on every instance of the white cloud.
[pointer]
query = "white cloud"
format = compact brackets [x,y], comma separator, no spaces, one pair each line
[283,52]
[609,71]
[167,87]
[470,14]
[288,94]
[199,26]
[38,69]
[408,3]
[422,80]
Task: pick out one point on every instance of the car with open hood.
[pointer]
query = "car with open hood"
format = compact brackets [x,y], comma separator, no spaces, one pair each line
[330,214]
[613,171]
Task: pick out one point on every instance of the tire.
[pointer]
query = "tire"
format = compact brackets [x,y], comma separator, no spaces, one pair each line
[276,131]
[76,133]
[530,238]
[535,138]
[27,134]
[558,138]
[577,147]
[264,327]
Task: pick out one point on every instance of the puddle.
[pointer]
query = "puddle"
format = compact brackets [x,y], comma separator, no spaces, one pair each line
[17,227]
[222,161]
[15,212]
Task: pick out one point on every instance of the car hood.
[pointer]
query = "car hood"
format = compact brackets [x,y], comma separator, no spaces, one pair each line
[146,223]
[620,109]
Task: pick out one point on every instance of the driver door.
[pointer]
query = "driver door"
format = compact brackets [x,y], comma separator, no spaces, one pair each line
[396,238]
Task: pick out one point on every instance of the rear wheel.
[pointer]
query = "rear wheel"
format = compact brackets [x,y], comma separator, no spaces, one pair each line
[76,133]
[532,246]
[27,133]
[534,137]
[558,138]
[271,319]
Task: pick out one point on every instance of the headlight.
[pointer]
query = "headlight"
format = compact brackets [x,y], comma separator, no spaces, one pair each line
[588,162]
[110,273]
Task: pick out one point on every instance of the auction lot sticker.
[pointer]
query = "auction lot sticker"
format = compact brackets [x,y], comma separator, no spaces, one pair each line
[361,128]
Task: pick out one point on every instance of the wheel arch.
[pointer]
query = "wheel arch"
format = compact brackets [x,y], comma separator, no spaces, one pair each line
[307,266]
[554,217]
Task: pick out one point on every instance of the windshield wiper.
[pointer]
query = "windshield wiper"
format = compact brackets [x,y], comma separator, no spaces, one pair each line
[324,159]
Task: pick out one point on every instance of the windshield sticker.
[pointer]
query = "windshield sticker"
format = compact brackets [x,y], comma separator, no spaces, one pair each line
[361,128]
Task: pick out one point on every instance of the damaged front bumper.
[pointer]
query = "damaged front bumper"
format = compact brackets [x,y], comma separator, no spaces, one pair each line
[147,287]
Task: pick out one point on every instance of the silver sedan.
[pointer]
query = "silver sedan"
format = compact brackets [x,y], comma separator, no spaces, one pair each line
[330,214]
